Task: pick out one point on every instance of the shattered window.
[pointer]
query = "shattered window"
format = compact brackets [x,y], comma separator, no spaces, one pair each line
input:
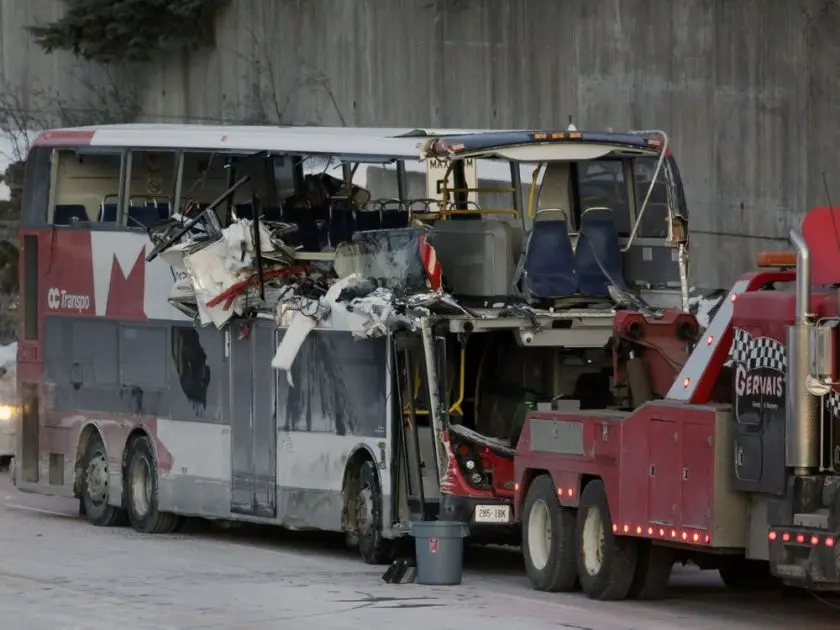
[85,181]
[654,221]
[601,184]
[206,176]
[151,187]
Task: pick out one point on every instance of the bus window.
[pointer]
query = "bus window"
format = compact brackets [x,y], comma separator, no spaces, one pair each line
[654,222]
[206,176]
[83,179]
[601,184]
[150,189]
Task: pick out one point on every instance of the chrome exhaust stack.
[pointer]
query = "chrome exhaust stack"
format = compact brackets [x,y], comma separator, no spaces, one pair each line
[802,444]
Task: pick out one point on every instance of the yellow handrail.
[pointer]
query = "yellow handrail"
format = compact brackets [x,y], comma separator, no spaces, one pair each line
[532,193]
[455,407]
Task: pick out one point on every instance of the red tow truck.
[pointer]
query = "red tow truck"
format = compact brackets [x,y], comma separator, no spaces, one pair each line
[733,465]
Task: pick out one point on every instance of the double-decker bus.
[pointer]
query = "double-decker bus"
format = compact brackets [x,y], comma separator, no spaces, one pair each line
[148,406]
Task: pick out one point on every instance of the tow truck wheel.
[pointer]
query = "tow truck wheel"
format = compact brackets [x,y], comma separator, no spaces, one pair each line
[549,533]
[653,571]
[606,563]
[141,491]
[95,477]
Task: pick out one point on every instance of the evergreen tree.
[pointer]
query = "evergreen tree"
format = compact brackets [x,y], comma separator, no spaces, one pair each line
[130,30]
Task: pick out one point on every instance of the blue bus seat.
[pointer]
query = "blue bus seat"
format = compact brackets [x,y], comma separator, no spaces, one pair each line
[142,216]
[394,218]
[342,223]
[367,220]
[65,213]
[598,253]
[549,267]
[108,213]
[163,210]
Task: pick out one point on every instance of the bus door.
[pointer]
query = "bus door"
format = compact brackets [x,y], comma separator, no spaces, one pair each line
[253,434]
[418,451]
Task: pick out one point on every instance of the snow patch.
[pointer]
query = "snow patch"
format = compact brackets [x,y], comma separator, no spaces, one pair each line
[8,369]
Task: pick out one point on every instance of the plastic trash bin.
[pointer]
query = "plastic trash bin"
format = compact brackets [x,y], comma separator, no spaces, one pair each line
[439,548]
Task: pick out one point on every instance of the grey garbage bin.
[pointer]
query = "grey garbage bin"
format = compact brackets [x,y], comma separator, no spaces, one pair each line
[439,548]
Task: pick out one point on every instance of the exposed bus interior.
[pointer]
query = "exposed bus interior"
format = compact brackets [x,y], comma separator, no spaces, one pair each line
[489,382]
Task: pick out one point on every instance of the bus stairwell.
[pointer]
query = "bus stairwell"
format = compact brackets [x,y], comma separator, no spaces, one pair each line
[417,481]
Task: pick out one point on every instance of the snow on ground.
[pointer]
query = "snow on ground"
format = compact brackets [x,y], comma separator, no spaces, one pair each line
[8,368]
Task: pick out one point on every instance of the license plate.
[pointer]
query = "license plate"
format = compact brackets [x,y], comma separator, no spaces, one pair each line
[492,514]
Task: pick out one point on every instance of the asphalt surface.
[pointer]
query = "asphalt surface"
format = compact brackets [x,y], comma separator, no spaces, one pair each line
[57,572]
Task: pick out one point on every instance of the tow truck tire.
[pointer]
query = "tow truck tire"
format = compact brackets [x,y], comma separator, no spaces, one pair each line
[653,571]
[141,491]
[373,548]
[606,563]
[95,477]
[549,539]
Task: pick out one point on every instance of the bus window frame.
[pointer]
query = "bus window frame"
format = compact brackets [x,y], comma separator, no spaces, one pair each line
[125,184]
[54,175]
[670,201]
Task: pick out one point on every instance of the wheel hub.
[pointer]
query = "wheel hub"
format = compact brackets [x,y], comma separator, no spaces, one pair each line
[96,477]
[539,534]
[592,541]
[364,511]
[141,486]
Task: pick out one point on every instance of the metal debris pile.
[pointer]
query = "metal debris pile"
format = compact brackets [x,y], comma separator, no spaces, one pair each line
[375,284]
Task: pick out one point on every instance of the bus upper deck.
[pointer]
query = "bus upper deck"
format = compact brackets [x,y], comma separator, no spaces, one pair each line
[600,209]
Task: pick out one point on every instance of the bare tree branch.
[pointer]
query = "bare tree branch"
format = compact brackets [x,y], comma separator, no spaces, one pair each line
[275,91]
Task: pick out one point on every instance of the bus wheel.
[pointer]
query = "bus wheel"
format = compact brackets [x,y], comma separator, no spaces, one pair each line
[95,482]
[606,563]
[368,506]
[141,491]
[549,534]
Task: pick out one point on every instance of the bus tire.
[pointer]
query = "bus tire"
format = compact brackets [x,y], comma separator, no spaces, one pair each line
[606,563]
[141,490]
[549,539]
[653,571]
[95,480]
[373,548]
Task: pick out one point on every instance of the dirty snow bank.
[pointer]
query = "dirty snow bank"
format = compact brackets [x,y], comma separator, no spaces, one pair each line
[8,368]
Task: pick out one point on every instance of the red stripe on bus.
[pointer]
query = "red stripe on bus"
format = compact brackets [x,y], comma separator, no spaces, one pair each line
[64,138]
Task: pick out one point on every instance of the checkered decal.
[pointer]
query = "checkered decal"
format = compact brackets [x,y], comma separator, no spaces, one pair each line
[832,403]
[762,352]
[755,353]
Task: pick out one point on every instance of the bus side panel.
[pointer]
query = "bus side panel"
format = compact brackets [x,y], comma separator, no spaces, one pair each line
[338,405]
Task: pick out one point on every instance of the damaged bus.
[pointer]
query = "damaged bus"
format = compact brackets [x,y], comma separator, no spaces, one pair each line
[248,323]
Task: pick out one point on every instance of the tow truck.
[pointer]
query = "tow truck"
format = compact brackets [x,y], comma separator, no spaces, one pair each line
[733,466]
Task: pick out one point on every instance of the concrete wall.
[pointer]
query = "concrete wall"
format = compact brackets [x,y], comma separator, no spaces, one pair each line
[747,90]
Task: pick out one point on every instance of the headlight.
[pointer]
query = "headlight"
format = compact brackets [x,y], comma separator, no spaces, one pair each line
[7,412]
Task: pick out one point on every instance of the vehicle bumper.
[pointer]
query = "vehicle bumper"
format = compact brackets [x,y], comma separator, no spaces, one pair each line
[463,509]
[811,563]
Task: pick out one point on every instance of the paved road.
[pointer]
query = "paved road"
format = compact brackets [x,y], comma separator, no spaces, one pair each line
[59,573]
